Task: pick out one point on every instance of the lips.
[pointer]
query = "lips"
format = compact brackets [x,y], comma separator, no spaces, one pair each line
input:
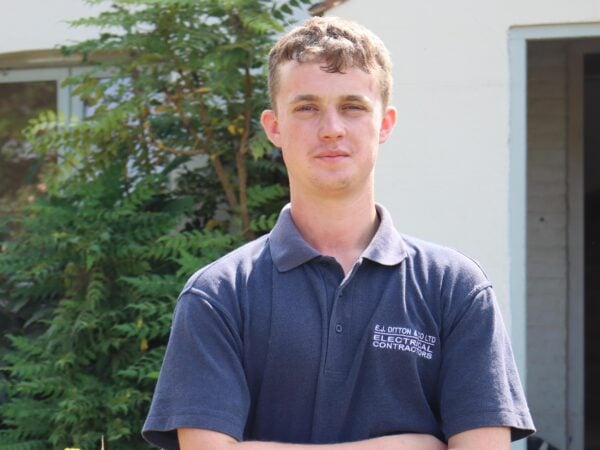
[332,154]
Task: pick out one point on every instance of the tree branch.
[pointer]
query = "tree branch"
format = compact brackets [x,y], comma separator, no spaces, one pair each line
[242,155]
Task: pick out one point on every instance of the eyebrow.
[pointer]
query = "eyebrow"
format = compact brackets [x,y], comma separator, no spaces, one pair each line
[304,98]
[356,98]
[313,98]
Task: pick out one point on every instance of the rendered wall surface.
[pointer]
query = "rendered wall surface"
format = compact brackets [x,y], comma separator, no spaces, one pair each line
[42,24]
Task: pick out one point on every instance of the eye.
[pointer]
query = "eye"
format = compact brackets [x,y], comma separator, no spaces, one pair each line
[305,108]
[354,107]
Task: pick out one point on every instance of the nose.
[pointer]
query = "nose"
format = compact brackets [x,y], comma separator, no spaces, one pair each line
[331,126]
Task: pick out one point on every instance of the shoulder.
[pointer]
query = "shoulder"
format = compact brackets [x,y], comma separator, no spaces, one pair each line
[434,257]
[449,270]
[231,270]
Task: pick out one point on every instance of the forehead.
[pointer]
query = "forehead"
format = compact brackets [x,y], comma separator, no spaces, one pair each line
[308,79]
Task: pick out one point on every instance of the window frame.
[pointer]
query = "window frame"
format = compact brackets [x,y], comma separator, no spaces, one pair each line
[66,103]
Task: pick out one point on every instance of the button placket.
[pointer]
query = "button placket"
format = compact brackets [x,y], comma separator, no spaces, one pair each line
[339,354]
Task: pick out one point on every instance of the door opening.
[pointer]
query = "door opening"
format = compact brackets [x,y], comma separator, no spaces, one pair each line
[591,142]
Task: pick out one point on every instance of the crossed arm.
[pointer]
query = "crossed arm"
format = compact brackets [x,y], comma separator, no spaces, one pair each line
[490,438]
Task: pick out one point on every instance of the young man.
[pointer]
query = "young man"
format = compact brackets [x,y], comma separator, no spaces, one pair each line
[334,329]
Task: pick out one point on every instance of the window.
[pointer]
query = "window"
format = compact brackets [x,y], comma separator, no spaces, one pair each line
[24,94]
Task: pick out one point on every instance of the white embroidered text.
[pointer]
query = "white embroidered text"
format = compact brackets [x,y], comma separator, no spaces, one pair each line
[404,339]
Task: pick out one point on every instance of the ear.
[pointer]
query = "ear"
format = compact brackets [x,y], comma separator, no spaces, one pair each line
[388,121]
[270,124]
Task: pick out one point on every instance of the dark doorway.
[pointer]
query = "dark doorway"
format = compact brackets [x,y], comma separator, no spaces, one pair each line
[592,249]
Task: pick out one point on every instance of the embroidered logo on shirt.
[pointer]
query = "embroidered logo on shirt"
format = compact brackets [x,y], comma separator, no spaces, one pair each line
[404,339]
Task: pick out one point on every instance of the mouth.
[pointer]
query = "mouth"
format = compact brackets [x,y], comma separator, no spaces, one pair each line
[332,155]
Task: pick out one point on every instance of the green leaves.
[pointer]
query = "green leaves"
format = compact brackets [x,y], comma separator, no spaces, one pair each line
[72,365]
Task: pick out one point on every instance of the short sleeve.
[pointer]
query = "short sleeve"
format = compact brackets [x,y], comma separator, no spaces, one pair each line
[479,383]
[202,382]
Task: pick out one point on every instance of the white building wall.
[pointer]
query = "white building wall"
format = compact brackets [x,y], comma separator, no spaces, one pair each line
[42,24]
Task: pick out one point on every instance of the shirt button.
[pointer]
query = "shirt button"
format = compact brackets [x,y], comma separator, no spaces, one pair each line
[339,328]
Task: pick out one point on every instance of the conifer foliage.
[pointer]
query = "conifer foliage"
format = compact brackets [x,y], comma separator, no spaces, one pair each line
[167,172]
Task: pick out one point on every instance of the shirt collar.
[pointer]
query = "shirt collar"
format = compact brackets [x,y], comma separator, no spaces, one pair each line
[289,249]
[386,247]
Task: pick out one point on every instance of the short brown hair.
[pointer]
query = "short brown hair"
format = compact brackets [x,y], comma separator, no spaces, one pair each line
[336,43]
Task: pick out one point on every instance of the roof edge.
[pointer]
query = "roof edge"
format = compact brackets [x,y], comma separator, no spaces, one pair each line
[48,58]
[320,8]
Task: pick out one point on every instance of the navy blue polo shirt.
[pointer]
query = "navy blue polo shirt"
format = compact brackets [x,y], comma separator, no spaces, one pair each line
[272,342]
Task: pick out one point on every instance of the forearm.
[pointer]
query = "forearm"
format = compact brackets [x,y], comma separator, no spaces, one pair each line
[194,439]
[399,442]
[487,438]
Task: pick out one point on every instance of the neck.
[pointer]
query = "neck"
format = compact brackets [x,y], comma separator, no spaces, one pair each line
[341,228]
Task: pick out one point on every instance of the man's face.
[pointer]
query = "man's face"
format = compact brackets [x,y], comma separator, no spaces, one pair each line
[329,127]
